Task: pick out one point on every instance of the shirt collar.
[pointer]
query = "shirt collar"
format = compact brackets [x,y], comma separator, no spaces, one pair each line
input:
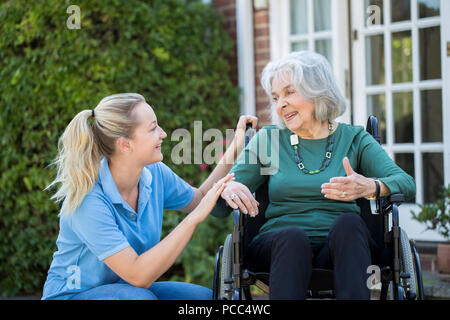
[108,184]
[145,180]
[110,188]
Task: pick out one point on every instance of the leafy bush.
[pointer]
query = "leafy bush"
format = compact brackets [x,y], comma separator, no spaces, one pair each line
[174,52]
[436,216]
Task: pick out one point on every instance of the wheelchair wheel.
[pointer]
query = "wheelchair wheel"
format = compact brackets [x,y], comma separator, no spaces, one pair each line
[225,289]
[407,263]
[418,268]
[406,266]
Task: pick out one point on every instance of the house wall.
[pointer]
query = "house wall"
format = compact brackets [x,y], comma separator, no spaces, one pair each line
[261,33]
[269,21]
[261,51]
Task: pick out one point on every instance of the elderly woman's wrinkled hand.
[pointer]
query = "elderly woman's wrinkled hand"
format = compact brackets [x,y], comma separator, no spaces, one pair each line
[349,188]
[238,196]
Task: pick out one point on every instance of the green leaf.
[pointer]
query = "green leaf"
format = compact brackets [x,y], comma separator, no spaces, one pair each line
[161,54]
[27,182]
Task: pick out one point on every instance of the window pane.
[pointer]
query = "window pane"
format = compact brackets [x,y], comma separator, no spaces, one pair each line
[431,115]
[430,53]
[401,57]
[433,176]
[373,11]
[299,16]
[299,46]
[406,162]
[375,60]
[376,106]
[322,15]
[323,47]
[403,117]
[400,10]
[429,8]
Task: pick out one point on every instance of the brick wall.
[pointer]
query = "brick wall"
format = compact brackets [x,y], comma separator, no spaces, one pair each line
[427,255]
[261,34]
[261,50]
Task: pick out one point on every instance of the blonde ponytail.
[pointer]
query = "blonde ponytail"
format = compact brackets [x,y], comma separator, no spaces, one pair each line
[82,145]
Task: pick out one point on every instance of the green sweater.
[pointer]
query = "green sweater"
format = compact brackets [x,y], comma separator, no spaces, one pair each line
[295,198]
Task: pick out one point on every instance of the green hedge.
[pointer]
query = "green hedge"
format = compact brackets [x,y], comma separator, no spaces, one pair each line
[173,52]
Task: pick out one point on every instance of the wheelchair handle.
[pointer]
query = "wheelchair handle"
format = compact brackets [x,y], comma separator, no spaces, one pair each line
[248,130]
[372,127]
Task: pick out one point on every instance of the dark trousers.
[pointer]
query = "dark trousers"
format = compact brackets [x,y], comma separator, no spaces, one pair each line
[289,257]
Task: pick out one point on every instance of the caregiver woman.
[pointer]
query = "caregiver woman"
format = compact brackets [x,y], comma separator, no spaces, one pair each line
[115,189]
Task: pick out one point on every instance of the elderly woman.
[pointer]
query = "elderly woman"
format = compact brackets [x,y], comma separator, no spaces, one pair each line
[317,171]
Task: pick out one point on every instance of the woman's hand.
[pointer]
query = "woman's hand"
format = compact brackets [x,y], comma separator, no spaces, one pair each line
[351,187]
[237,145]
[237,195]
[201,212]
[241,126]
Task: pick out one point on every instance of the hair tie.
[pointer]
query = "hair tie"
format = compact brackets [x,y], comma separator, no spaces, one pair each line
[93,115]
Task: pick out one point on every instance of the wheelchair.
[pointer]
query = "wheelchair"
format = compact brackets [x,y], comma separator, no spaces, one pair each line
[397,276]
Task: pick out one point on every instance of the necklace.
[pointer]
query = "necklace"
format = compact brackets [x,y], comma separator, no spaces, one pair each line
[328,152]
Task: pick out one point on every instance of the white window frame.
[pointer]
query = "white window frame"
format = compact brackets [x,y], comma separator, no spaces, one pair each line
[413,228]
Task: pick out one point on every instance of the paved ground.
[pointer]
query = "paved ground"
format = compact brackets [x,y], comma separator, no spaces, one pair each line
[436,286]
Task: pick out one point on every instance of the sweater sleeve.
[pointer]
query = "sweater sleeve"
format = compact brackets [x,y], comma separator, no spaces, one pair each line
[375,162]
[252,167]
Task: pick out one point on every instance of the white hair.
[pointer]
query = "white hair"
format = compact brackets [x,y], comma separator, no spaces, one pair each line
[311,75]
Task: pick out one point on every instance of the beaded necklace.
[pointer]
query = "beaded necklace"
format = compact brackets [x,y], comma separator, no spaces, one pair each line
[328,149]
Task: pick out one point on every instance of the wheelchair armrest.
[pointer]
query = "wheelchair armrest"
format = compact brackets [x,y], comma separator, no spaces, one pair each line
[393,199]
[397,198]
[390,205]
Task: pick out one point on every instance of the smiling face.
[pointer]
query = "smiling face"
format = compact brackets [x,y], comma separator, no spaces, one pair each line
[147,136]
[296,111]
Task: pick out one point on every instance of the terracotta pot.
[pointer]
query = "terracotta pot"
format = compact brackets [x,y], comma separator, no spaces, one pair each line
[443,257]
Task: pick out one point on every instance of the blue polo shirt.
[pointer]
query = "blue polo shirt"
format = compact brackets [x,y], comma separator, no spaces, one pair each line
[105,224]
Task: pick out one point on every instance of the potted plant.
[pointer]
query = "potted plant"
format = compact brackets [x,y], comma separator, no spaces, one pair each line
[436,216]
